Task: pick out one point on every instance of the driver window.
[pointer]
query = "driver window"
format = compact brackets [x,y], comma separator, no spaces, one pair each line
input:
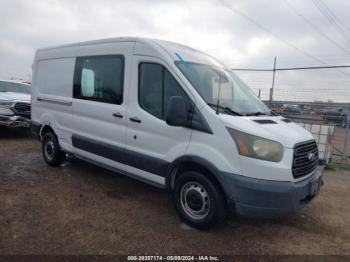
[156,86]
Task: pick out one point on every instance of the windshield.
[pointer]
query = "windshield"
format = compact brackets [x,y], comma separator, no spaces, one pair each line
[235,97]
[14,87]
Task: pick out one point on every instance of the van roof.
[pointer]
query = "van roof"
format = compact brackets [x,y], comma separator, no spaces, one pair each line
[113,40]
[175,50]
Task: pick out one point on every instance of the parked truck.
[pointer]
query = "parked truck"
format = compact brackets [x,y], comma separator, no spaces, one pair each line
[14,104]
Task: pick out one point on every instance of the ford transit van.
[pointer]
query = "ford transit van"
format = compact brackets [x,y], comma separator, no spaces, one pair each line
[175,118]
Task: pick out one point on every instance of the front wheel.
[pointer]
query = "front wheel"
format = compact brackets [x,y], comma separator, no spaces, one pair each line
[198,200]
[51,150]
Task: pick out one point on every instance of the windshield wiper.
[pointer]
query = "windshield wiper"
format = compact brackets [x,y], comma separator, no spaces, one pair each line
[225,109]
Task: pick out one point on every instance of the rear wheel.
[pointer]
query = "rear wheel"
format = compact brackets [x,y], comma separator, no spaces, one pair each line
[198,200]
[51,150]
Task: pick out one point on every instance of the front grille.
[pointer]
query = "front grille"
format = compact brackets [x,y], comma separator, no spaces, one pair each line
[305,159]
[22,109]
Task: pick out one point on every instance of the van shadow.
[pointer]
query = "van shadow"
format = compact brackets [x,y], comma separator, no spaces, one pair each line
[114,183]
[302,221]
[118,187]
[14,133]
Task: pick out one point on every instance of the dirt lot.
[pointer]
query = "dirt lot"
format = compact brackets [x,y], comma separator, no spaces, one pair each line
[82,209]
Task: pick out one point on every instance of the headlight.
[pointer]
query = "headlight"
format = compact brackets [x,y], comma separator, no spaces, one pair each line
[257,147]
[5,104]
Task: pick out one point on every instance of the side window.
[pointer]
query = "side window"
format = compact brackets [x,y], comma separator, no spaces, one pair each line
[151,88]
[156,86]
[171,88]
[99,78]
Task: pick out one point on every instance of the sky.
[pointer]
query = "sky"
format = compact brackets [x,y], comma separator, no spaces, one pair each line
[241,33]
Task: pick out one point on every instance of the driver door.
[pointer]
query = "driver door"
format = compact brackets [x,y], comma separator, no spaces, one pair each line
[150,142]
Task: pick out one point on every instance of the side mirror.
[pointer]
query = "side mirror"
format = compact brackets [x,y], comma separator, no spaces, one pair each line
[178,112]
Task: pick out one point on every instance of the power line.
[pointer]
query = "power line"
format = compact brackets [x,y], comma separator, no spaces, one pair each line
[270,32]
[292,58]
[281,83]
[264,61]
[320,6]
[273,34]
[287,60]
[290,6]
[291,68]
[310,91]
[299,89]
[310,84]
[331,13]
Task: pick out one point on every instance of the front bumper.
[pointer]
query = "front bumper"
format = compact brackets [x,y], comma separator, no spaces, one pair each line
[14,121]
[267,199]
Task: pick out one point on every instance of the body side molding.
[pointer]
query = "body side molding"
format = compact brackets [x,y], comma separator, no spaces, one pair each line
[131,158]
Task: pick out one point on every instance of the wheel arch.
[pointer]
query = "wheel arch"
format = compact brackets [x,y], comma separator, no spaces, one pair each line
[45,128]
[193,163]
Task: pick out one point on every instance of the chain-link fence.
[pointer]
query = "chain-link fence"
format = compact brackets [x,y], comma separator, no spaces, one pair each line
[316,98]
[329,127]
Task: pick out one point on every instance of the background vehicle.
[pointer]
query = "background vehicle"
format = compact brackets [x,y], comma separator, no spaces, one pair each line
[14,104]
[175,118]
[337,116]
[292,110]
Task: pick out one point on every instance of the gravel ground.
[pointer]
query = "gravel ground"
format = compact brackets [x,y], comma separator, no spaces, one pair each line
[82,209]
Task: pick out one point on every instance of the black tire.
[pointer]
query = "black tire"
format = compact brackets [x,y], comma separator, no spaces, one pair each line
[52,153]
[190,192]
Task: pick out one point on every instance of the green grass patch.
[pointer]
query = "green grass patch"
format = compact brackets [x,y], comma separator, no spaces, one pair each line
[338,166]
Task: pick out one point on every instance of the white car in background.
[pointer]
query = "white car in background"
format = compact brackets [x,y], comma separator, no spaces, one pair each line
[14,104]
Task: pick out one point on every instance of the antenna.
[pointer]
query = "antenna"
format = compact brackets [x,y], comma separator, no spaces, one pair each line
[218,103]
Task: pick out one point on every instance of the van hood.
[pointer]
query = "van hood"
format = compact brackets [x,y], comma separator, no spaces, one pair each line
[12,96]
[269,127]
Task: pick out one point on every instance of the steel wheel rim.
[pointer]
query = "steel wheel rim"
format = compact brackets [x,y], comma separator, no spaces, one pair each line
[49,149]
[195,200]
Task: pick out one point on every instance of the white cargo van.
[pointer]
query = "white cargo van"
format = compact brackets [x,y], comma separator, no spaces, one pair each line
[175,118]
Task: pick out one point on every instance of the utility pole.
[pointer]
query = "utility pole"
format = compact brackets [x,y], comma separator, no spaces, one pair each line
[346,136]
[273,81]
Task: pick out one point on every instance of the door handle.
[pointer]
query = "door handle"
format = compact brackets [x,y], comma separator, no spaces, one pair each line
[135,119]
[119,115]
